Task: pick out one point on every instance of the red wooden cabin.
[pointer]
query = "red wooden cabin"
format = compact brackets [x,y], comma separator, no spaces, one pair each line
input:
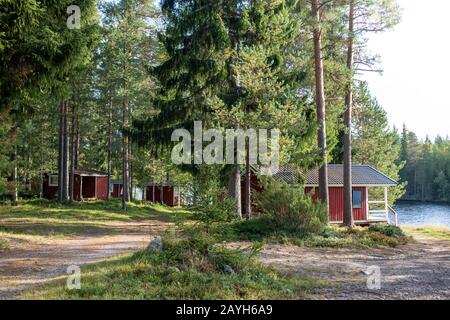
[365,210]
[364,177]
[166,194]
[88,185]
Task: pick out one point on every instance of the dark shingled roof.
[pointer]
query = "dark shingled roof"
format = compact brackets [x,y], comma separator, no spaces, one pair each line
[362,175]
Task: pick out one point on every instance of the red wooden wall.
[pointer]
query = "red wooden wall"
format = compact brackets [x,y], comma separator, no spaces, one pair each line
[168,193]
[102,188]
[336,200]
[88,187]
[90,184]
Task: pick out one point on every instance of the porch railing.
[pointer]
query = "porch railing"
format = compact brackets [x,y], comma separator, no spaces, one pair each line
[378,214]
[395,214]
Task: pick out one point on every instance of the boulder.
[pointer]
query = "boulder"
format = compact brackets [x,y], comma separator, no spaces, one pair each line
[228,269]
[156,245]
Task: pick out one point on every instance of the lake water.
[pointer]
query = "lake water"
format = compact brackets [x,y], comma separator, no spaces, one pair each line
[423,214]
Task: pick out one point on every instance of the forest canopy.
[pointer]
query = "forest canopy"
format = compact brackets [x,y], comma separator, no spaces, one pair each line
[108,95]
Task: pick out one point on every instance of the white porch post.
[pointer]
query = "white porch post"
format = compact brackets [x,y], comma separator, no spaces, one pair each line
[386,203]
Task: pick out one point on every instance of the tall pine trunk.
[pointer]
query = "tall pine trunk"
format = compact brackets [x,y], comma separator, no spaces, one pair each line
[234,82]
[77,141]
[65,189]
[125,150]
[130,171]
[248,177]
[72,150]
[110,121]
[125,147]
[62,154]
[41,165]
[320,102]
[348,188]
[237,190]
[14,170]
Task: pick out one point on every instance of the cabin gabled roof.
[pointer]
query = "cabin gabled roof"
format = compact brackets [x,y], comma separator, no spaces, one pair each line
[362,175]
[90,172]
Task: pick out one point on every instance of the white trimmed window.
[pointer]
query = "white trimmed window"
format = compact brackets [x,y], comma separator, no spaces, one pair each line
[53,180]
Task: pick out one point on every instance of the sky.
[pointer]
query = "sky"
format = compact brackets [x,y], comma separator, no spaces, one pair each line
[414,88]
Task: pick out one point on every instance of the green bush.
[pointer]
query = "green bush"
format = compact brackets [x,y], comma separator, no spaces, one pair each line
[387,230]
[292,209]
[211,203]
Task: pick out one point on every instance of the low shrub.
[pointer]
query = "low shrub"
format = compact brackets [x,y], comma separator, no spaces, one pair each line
[387,230]
[292,209]
[211,203]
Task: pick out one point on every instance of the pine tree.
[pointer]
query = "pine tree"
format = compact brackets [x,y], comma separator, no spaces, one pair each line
[234,75]
[374,142]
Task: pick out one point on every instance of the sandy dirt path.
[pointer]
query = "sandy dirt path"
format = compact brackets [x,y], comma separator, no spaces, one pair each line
[27,264]
[420,270]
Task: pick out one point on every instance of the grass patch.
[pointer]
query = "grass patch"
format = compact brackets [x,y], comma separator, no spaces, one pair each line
[186,269]
[439,233]
[4,244]
[86,211]
[264,229]
[55,220]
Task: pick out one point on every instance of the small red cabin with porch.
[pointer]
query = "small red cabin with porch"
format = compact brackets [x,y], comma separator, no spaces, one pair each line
[364,178]
[88,185]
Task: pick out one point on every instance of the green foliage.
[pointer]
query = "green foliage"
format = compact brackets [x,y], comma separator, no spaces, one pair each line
[264,229]
[292,209]
[211,203]
[387,230]
[36,46]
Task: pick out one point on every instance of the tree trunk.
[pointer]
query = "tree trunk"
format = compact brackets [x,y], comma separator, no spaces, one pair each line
[110,121]
[14,170]
[41,165]
[130,171]
[125,156]
[231,189]
[65,188]
[125,160]
[237,190]
[248,181]
[348,188]
[320,103]
[60,152]
[72,151]
[77,141]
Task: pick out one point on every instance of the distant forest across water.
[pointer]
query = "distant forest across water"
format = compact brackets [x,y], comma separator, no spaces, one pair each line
[426,167]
